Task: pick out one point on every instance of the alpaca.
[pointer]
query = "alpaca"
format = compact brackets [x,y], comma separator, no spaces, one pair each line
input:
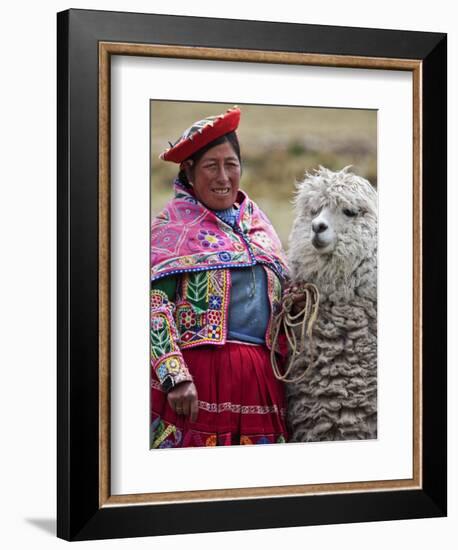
[333,244]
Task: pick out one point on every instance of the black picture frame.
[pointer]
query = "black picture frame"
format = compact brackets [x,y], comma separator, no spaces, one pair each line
[80,514]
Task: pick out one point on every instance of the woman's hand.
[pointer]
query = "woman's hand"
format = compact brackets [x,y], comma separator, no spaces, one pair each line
[183,400]
[297,297]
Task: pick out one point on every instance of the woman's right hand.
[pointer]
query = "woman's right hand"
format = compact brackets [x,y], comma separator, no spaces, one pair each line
[297,298]
[183,400]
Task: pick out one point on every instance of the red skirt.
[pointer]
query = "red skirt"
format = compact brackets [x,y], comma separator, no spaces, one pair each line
[240,401]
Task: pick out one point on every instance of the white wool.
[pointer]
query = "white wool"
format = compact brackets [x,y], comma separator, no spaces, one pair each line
[337,398]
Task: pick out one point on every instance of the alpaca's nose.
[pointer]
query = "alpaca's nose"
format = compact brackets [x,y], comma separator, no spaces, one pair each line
[319,227]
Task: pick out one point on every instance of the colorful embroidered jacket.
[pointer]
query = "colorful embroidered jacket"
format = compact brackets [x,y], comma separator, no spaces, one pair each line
[192,251]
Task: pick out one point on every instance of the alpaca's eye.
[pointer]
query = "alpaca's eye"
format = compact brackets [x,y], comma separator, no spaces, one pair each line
[314,211]
[349,213]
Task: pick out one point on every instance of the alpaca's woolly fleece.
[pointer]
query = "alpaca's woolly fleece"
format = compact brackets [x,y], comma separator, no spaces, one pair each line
[337,399]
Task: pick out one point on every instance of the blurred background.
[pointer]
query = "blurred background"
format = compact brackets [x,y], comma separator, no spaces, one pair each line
[278,145]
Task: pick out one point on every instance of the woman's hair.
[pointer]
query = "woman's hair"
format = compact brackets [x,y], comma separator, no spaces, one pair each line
[231,138]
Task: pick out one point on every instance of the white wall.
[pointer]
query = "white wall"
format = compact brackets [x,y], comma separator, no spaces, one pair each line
[27,218]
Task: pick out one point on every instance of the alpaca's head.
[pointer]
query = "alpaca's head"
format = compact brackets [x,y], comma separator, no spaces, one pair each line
[336,222]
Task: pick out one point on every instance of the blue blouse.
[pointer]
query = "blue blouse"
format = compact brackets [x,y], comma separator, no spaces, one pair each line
[249,307]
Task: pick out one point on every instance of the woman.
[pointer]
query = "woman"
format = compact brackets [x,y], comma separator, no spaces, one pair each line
[217,269]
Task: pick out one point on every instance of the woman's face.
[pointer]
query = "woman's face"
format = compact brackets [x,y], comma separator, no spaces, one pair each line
[216,177]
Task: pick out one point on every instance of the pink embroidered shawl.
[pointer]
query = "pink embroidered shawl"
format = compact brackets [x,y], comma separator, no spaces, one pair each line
[186,236]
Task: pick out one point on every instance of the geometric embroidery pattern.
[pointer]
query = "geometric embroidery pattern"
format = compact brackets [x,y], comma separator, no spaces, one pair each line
[205,322]
[233,407]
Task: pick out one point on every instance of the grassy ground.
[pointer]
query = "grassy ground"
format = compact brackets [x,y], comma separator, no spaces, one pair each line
[278,145]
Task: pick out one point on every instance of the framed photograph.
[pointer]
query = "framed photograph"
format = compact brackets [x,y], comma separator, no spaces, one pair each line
[277,145]
[362,110]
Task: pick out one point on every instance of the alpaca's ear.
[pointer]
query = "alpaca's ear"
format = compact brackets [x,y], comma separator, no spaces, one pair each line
[300,188]
[346,169]
[304,183]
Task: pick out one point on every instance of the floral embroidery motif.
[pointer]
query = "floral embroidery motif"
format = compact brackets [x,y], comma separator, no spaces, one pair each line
[157,323]
[188,212]
[167,238]
[209,239]
[211,441]
[188,318]
[214,317]
[172,365]
[214,302]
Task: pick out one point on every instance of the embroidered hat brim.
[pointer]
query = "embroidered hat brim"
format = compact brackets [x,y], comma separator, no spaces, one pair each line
[201,133]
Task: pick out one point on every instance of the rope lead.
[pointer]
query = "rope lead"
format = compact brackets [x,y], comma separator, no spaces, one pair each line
[290,321]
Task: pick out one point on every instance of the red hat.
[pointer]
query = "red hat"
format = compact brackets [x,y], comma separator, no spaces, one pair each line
[201,133]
